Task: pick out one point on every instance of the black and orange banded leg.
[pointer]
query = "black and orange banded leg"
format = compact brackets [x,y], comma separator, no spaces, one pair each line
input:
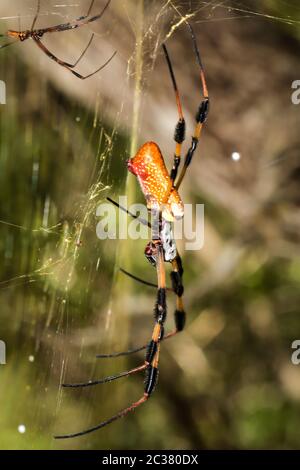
[201,114]
[179,134]
[179,313]
[177,285]
[152,354]
[160,314]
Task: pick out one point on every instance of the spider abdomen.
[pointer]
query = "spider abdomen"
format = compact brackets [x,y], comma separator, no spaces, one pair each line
[149,167]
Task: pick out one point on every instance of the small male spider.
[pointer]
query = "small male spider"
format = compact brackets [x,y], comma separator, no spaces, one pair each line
[161,192]
[37,34]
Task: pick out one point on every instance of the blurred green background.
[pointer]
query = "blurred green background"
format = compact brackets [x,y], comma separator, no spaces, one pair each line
[227,381]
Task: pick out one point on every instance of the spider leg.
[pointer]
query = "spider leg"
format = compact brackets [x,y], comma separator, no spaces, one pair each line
[84,77]
[176,278]
[152,354]
[50,55]
[201,114]
[177,287]
[65,64]
[179,134]
[110,378]
[122,353]
[179,314]
[36,14]
[134,216]
[83,52]
[140,348]
[83,20]
[142,281]
[90,8]
[71,66]
[138,279]
[119,415]
[8,44]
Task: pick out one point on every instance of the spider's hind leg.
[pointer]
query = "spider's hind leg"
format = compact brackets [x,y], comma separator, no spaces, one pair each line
[176,278]
[152,353]
[172,256]
[179,313]
[71,66]
[37,36]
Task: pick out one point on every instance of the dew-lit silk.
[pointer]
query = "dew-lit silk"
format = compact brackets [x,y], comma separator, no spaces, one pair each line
[149,167]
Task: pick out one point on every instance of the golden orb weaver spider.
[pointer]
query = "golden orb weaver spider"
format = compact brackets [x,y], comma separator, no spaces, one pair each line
[37,34]
[161,192]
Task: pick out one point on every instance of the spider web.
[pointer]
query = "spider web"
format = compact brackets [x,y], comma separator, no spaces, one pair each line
[65,144]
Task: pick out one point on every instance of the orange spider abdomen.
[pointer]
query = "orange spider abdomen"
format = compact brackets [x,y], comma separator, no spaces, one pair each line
[149,167]
[13,34]
[22,35]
